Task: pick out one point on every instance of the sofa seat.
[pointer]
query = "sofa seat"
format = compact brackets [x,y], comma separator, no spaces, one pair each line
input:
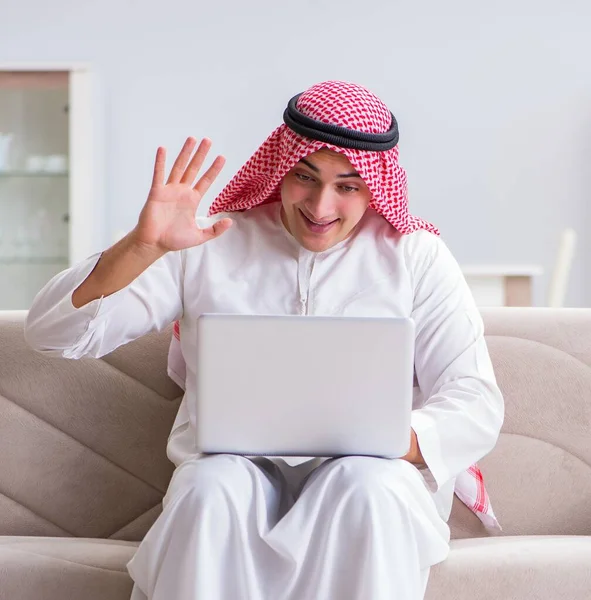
[499,568]
[553,567]
[49,568]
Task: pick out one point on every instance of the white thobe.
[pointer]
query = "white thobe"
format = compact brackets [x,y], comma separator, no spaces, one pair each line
[352,528]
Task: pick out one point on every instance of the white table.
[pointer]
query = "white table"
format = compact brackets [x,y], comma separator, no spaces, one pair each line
[501,285]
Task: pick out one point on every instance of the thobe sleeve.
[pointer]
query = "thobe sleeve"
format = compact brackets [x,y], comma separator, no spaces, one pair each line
[463,411]
[151,302]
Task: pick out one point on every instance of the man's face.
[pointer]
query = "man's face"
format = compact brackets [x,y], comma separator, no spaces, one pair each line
[323,198]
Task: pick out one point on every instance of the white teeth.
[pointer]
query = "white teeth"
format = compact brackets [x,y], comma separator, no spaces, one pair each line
[317,223]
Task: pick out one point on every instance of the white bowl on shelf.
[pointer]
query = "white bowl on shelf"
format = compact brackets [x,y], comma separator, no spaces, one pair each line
[5,142]
[34,163]
[56,163]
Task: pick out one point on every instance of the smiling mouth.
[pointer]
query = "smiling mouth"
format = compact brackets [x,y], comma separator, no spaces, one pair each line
[317,226]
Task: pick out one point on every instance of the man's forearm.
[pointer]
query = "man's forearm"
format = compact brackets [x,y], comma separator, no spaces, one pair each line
[117,267]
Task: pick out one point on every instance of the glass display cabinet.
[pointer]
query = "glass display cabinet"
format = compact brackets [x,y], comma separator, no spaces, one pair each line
[45,177]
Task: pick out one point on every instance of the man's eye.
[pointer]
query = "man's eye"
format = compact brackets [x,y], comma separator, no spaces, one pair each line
[303,177]
[349,188]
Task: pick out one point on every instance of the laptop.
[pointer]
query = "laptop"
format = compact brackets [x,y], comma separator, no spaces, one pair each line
[304,385]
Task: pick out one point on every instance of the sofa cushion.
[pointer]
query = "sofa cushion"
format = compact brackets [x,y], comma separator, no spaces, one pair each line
[46,568]
[83,442]
[542,361]
[514,568]
[507,568]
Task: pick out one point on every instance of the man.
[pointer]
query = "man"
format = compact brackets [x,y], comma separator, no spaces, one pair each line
[319,225]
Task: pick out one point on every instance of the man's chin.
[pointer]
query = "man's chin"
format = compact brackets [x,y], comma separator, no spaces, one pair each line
[317,243]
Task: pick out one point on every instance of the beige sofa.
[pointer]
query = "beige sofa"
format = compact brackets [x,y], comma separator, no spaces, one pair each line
[83,466]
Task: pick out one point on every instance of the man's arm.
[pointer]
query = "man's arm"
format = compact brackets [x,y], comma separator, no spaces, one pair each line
[137,285]
[116,269]
[55,326]
[166,223]
[463,411]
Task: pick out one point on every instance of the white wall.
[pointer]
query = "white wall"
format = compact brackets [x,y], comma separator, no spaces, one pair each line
[493,101]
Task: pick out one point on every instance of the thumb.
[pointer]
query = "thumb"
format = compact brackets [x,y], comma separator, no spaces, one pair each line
[216,229]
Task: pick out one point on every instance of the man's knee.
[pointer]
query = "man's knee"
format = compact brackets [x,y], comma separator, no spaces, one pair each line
[368,476]
[217,479]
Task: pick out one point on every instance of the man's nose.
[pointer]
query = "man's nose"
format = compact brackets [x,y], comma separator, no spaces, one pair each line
[321,204]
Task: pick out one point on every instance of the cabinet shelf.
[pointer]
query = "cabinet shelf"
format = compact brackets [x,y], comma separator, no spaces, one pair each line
[32,174]
[33,260]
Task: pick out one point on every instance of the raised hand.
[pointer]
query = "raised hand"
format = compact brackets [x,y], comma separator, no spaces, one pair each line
[167,221]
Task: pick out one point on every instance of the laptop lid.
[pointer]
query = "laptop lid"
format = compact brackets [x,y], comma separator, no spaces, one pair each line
[304,385]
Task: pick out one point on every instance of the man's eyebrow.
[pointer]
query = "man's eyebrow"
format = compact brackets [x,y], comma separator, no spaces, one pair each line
[317,170]
[309,164]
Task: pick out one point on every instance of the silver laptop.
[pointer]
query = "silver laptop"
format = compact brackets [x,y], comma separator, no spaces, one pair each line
[304,385]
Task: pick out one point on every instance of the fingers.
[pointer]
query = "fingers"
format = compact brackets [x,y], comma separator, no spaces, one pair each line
[181,161]
[216,229]
[186,168]
[196,162]
[159,167]
[210,175]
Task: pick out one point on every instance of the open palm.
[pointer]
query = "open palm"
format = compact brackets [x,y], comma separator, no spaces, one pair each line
[167,220]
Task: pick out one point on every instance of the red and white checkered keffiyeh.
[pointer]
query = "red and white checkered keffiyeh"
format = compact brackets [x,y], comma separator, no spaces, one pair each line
[259,182]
